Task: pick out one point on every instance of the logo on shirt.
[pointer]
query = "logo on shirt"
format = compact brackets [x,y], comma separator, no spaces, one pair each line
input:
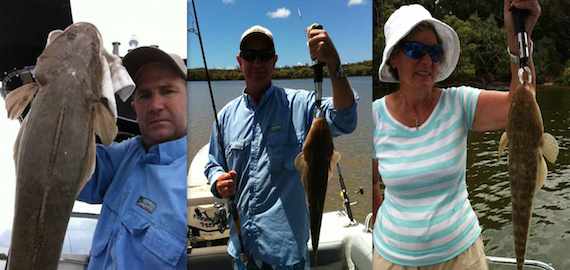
[146,204]
[275,128]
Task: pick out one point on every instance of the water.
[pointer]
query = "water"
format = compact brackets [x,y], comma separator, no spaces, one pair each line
[489,189]
[355,148]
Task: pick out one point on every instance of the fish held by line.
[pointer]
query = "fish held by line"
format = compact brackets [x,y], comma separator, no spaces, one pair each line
[316,165]
[528,147]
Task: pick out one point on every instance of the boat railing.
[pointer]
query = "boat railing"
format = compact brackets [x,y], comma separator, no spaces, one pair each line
[512,261]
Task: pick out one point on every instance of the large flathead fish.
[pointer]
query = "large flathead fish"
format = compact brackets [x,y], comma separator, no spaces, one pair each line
[316,164]
[55,148]
[528,145]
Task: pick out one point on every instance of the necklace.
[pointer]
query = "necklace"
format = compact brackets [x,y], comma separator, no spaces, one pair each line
[417,124]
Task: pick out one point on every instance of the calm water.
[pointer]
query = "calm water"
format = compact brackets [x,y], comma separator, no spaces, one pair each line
[354,148]
[489,189]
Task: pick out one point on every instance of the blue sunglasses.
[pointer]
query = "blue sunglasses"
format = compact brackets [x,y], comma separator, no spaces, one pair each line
[417,50]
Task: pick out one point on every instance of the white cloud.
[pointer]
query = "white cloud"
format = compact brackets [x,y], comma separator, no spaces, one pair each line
[355,2]
[280,13]
[228,2]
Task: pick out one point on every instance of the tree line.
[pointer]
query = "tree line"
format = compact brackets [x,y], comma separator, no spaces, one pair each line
[363,68]
[483,60]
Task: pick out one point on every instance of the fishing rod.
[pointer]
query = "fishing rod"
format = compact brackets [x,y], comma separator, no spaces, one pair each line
[519,17]
[344,193]
[231,201]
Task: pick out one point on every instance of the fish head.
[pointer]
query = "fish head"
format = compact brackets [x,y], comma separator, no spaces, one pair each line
[524,115]
[73,53]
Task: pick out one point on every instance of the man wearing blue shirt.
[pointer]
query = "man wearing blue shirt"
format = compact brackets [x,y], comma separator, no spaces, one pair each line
[263,131]
[141,182]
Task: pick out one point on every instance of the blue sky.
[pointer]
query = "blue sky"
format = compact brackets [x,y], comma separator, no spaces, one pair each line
[349,22]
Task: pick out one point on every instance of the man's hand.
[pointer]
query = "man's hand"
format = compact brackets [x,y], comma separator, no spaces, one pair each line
[322,48]
[225,184]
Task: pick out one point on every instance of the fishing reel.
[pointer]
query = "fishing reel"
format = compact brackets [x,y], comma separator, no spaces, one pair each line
[217,222]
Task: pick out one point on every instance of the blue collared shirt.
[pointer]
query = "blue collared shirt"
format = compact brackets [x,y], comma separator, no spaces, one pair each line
[143,219]
[260,143]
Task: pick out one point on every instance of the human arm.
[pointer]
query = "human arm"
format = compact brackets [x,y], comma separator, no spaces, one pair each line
[322,49]
[107,161]
[222,184]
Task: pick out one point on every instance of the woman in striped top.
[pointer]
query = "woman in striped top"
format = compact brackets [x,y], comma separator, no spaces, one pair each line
[426,220]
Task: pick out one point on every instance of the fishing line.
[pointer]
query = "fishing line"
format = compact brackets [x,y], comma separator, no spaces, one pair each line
[231,202]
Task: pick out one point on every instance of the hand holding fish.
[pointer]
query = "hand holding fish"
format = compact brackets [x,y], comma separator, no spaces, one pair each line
[225,184]
[322,48]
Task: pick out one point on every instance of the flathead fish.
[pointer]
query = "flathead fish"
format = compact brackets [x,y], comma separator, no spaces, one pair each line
[55,149]
[528,146]
[315,164]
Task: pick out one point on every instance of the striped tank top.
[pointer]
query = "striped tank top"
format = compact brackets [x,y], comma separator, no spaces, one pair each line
[426,217]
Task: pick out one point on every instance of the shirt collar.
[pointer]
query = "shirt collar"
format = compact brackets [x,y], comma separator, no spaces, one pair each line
[266,96]
[166,152]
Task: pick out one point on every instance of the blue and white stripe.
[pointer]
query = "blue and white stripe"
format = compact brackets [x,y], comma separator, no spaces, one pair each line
[426,217]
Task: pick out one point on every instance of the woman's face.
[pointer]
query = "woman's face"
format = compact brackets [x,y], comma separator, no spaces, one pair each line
[420,72]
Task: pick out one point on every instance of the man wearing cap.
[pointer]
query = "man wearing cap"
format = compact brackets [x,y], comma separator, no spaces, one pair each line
[263,131]
[141,182]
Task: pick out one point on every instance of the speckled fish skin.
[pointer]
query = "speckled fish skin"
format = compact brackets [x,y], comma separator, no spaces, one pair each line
[54,152]
[524,132]
[317,152]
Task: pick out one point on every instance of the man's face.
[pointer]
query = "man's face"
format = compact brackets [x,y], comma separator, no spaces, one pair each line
[258,71]
[160,104]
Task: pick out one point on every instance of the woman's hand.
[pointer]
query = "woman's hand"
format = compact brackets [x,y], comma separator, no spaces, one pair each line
[534,11]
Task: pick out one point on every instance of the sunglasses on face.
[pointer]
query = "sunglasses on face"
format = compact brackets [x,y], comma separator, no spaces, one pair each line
[261,55]
[417,50]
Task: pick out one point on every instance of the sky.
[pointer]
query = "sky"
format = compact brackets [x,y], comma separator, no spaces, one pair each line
[222,22]
[152,22]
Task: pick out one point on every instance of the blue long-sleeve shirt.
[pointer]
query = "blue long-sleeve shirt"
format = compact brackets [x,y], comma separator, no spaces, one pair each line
[143,219]
[260,144]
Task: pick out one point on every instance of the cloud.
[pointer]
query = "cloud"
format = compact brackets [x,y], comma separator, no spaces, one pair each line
[228,2]
[355,2]
[280,13]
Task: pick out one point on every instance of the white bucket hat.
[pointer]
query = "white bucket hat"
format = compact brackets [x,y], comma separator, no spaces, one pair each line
[401,22]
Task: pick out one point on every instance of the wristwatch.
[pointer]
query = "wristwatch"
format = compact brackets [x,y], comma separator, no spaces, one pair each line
[339,73]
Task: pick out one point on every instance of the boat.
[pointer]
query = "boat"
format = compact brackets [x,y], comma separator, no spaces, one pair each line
[343,244]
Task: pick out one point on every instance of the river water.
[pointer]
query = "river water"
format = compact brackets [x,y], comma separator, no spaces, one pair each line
[355,148]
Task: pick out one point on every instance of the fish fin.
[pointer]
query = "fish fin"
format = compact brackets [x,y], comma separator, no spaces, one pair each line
[105,125]
[503,143]
[17,142]
[89,167]
[19,98]
[549,147]
[541,173]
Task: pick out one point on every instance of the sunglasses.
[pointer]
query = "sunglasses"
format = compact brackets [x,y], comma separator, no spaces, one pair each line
[417,50]
[261,55]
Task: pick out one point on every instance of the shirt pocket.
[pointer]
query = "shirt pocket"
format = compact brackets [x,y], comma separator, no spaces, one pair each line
[157,241]
[237,154]
[282,149]
[103,233]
